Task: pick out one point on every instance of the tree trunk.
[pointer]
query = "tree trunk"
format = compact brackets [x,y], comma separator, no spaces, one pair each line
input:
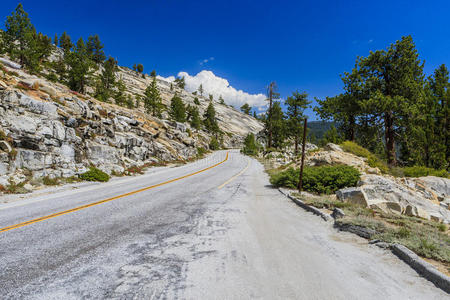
[352,128]
[389,138]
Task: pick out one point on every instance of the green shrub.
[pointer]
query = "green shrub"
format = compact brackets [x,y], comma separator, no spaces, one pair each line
[201,151]
[356,149]
[322,180]
[95,174]
[214,144]
[420,171]
[250,145]
[2,135]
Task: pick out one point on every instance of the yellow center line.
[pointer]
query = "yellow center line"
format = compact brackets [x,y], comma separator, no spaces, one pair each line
[235,176]
[105,200]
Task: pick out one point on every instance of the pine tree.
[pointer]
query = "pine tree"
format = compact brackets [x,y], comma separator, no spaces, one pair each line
[177,109]
[395,81]
[331,136]
[209,120]
[246,109]
[65,42]
[296,105]
[344,109]
[211,97]
[153,73]
[200,90]
[95,49]
[196,101]
[195,120]
[152,99]
[140,68]
[120,98]
[79,67]
[250,145]
[55,40]
[19,38]
[278,125]
[221,101]
[180,82]
[437,124]
[107,80]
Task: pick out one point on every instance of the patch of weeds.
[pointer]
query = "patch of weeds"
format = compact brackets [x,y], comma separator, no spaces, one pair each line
[95,174]
[50,181]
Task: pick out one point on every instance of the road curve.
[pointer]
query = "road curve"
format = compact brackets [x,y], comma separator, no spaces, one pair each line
[222,233]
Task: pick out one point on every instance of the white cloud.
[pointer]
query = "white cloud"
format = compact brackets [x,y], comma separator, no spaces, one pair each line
[169,79]
[206,60]
[218,86]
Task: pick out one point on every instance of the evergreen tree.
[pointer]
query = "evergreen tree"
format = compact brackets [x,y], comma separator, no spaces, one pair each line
[177,109]
[65,42]
[195,120]
[214,144]
[130,103]
[196,101]
[209,120]
[120,97]
[221,101]
[107,80]
[394,81]
[200,90]
[278,125]
[246,109]
[344,109]
[296,105]
[250,145]
[211,97]
[437,150]
[153,74]
[140,68]
[331,136]
[134,68]
[79,67]
[55,40]
[21,40]
[95,49]
[255,115]
[152,99]
[180,82]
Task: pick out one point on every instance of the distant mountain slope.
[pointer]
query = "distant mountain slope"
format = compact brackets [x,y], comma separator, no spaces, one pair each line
[318,128]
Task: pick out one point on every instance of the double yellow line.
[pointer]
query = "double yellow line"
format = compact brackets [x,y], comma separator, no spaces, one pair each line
[105,200]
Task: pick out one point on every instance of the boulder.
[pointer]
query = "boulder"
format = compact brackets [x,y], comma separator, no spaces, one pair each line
[439,185]
[353,195]
[414,211]
[394,207]
[10,64]
[338,213]
[38,107]
[333,147]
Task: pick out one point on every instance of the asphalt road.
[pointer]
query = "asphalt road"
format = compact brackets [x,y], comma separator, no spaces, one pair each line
[190,239]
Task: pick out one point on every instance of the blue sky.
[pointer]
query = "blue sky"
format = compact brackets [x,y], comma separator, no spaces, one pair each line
[302,45]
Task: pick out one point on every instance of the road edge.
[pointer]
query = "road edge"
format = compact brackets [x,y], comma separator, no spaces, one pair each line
[423,268]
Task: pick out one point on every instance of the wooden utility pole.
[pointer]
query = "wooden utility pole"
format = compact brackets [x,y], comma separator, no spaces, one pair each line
[300,181]
[269,142]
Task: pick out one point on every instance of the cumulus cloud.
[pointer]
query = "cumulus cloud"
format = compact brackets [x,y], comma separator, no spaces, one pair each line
[169,79]
[218,86]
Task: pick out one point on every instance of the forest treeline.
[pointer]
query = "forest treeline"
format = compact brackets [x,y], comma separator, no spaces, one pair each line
[388,106]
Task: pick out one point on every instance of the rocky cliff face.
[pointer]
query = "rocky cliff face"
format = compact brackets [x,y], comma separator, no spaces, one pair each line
[48,130]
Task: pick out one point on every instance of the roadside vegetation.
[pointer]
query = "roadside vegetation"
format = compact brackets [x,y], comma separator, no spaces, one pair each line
[95,174]
[426,238]
[320,180]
